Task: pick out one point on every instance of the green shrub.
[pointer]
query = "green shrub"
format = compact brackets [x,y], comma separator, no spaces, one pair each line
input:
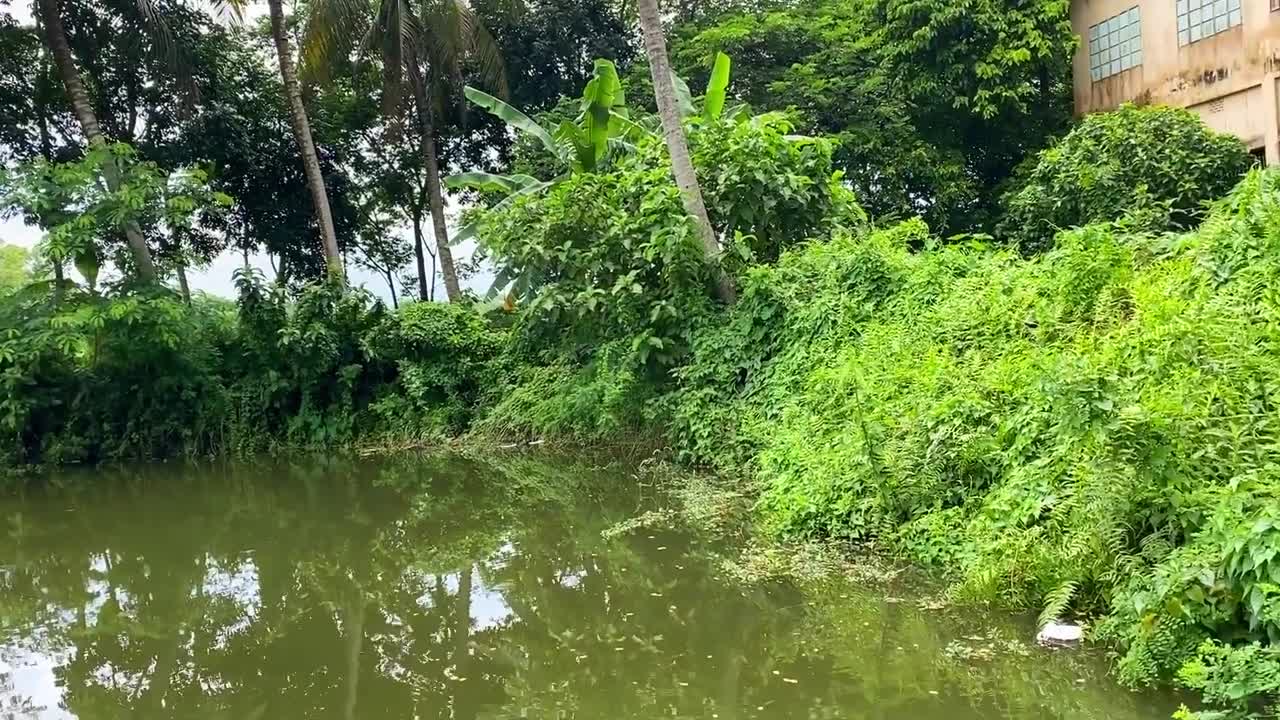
[602,401]
[1234,678]
[443,355]
[1157,165]
[611,255]
[97,378]
[1090,431]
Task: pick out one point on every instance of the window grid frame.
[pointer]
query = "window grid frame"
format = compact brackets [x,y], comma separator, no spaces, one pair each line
[1115,44]
[1202,19]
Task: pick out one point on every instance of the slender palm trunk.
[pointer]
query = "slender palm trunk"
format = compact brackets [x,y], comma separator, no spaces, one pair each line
[417,251]
[426,129]
[681,165]
[302,133]
[56,39]
[46,151]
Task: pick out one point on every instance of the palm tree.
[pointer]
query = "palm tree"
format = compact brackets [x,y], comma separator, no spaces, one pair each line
[55,37]
[302,133]
[429,48]
[677,146]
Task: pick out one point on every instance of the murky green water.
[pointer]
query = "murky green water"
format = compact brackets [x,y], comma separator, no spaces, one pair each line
[444,588]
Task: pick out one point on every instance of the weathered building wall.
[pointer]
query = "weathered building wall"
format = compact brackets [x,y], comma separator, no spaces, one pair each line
[1228,78]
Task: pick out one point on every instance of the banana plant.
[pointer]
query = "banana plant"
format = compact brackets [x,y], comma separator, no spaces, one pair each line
[603,125]
[582,146]
[713,101]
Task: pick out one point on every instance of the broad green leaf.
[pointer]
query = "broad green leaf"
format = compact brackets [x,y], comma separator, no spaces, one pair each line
[717,88]
[575,140]
[684,98]
[602,98]
[512,117]
[468,231]
[500,282]
[489,182]
[629,128]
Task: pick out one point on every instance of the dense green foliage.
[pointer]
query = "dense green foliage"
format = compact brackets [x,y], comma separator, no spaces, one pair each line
[1088,429]
[933,103]
[1120,164]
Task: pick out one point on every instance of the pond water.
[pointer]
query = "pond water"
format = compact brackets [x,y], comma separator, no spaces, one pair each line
[440,587]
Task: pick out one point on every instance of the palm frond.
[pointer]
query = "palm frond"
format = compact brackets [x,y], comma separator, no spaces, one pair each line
[166,48]
[446,23]
[458,43]
[234,8]
[333,28]
[491,69]
[395,31]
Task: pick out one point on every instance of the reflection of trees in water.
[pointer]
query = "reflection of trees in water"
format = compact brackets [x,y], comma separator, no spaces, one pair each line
[332,589]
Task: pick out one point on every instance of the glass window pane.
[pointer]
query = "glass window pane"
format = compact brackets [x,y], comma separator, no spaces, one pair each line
[1235,18]
[1115,44]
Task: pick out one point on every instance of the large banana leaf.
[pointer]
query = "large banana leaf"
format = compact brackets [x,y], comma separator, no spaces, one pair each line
[628,128]
[489,182]
[602,98]
[512,117]
[577,146]
[684,97]
[468,231]
[717,88]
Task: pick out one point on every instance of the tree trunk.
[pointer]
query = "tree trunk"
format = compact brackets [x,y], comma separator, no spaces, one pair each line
[423,295]
[183,285]
[426,129]
[302,133]
[681,165]
[58,280]
[56,39]
[391,285]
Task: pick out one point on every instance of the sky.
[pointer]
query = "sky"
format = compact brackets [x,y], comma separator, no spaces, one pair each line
[216,279]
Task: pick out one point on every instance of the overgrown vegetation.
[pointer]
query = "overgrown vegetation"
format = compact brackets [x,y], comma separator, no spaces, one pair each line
[1121,164]
[1077,414]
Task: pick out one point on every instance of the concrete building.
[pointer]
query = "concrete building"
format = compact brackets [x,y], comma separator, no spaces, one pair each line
[1220,58]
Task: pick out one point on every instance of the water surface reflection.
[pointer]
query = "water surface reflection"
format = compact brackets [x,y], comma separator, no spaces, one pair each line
[441,587]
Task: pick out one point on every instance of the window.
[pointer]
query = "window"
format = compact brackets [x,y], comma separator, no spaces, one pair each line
[1115,44]
[1199,19]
